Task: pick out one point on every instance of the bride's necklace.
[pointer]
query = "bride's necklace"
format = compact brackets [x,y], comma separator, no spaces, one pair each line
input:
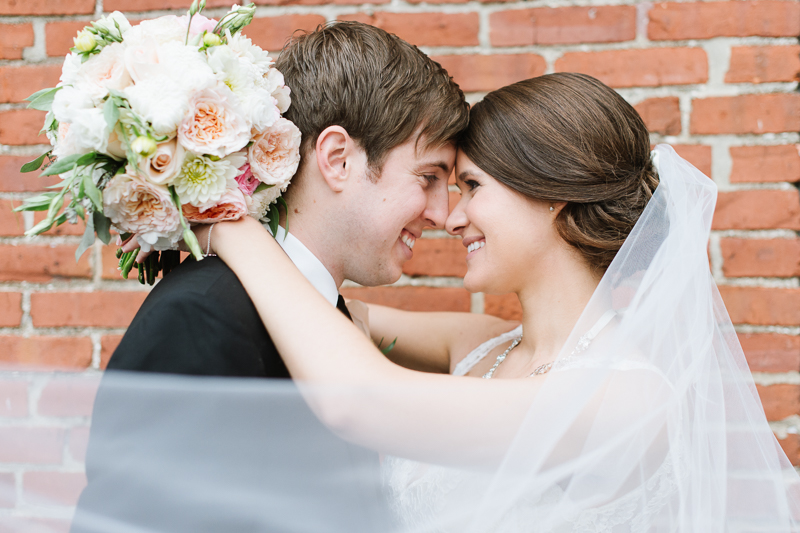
[583,342]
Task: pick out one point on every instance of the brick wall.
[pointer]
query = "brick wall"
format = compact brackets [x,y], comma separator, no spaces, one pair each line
[718,80]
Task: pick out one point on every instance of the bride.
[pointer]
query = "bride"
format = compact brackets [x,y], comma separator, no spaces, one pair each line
[622,402]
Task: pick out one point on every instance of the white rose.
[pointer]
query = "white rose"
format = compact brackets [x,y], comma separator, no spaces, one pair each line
[258,204]
[278,89]
[102,72]
[69,102]
[157,31]
[69,71]
[90,131]
[244,48]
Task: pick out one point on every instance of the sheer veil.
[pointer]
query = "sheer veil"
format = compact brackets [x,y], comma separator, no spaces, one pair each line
[649,421]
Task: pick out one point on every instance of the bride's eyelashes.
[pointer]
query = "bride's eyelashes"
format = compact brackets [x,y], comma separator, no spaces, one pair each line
[471,184]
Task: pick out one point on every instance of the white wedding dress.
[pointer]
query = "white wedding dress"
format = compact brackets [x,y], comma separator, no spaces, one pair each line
[419,492]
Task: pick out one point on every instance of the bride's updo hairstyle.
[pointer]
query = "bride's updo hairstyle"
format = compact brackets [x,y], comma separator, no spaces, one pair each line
[568,138]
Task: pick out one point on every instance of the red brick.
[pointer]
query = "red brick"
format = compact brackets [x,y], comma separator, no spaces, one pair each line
[35,445]
[46,353]
[12,180]
[756,257]
[10,309]
[14,38]
[640,68]
[413,298]
[437,257]
[697,154]
[425,29]
[748,113]
[13,398]
[78,442]
[21,126]
[153,5]
[46,7]
[8,490]
[760,64]
[661,115]
[780,401]
[768,352]
[765,163]
[11,223]
[110,268]
[26,262]
[271,33]
[791,447]
[59,35]
[18,83]
[704,20]
[762,305]
[52,488]
[84,309]
[108,343]
[757,209]
[562,25]
[70,396]
[505,306]
[487,73]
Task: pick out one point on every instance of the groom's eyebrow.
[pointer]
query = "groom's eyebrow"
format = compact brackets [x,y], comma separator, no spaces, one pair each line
[439,164]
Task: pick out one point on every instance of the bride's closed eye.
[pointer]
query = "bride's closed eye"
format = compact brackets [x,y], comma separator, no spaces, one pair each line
[471,185]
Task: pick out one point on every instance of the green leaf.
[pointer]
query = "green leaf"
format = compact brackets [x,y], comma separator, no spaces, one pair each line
[92,192]
[41,227]
[388,349]
[111,113]
[35,164]
[37,203]
[274,219]
[262,187]
[102,226]
[282,202]
[42,100]
[62,164]
[87,240]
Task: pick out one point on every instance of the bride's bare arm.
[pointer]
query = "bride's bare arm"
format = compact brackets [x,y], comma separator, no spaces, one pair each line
[432,341]
[378,403]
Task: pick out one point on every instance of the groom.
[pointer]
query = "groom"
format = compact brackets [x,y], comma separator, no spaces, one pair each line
[378,119]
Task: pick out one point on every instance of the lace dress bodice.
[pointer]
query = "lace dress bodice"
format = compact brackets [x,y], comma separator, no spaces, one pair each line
[419,493]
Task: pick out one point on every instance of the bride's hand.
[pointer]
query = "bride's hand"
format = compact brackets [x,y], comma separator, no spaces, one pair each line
[200,230]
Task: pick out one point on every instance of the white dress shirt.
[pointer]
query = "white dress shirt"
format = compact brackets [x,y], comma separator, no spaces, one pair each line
[311,267]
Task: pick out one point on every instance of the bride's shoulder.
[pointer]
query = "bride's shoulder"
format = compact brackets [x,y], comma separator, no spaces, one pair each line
[474,330]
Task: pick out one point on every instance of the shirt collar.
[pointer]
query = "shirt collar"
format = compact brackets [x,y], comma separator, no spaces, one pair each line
[311,267]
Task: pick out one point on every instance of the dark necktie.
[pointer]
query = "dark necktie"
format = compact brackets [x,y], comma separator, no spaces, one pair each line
[340,305]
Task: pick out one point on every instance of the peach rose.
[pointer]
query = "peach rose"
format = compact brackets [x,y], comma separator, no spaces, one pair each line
[135,205]
[214,125]
[231,206]
[102,72]
[275,153]
[166,163]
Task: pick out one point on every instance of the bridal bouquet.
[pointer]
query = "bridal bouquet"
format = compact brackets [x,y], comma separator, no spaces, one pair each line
[153,127]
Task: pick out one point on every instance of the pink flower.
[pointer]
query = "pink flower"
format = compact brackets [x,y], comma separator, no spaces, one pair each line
[199,24]
[247,182]
[231,206]
[275,153]
[135,205]
[214,125]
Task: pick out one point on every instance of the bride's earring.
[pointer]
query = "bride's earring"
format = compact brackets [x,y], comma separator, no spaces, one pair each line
[552,208]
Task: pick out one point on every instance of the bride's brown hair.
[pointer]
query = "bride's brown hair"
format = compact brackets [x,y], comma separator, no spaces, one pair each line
[568,138]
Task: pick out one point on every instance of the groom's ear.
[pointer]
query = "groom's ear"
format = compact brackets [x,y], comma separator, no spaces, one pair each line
[338,156]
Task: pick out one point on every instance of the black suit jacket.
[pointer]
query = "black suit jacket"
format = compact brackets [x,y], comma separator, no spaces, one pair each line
[164,455]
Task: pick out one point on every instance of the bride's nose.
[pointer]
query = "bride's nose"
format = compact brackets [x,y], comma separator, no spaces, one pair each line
[457,220]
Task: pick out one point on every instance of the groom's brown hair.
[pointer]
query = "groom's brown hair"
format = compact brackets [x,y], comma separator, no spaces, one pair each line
[379,88]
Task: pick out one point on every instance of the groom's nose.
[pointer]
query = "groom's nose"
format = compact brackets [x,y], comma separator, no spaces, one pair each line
[437,207]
